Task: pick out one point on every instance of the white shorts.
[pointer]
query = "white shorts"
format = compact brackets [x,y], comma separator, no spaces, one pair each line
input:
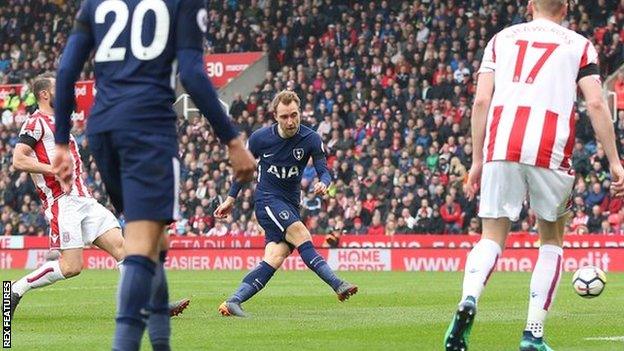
[77,221]
[505,185]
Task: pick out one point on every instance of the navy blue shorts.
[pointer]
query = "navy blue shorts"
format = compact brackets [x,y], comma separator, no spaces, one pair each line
[141,172]
[274,216]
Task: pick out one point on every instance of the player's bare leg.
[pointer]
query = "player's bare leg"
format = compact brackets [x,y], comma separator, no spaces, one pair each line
[298,235]
[135,287]
[544,283]
[256,279]
[112,242]
[69,265]
[479,266]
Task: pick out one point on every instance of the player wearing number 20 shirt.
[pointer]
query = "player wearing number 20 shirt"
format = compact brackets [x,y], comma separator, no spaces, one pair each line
[137,45]
[132,134]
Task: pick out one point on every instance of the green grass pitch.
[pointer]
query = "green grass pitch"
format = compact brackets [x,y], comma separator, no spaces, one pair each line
[393,311]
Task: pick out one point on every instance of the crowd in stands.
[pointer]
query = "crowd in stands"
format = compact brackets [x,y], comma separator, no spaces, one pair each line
[388,85]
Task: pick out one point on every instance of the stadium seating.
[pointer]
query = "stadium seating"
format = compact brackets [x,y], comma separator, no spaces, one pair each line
[389,86]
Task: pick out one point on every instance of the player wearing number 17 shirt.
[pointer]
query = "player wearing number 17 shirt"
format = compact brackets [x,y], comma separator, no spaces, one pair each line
[523,121]
[132,135]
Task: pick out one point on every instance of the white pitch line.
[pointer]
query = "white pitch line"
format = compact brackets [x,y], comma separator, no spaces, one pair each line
[607,338]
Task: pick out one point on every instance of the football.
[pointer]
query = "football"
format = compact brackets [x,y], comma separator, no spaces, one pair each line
[589,281]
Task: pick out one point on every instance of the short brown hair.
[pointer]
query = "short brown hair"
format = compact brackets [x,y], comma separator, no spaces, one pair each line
[551,7]
[42,82]
[285,97]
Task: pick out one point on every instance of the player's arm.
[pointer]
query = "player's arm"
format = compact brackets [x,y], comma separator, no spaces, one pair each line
[225,208]
[23,159]
[320,165]
[77,50]
[79,45]
[190,28]
[600,117]
[480,108]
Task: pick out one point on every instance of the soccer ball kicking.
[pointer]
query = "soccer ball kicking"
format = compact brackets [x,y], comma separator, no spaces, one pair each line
[589,281]
[283,149]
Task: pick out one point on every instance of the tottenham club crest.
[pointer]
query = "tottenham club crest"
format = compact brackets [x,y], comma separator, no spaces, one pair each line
[284,215]
[298,153]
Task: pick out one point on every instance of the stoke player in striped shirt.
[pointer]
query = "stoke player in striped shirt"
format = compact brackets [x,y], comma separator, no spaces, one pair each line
[523,121]
[76,218]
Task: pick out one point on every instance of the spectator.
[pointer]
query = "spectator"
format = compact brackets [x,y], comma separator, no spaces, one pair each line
[594,222]
[436,223]
[452,215]
[376,227]
[200,217]
[611,204]
[218,230]
[474,228]
[579,222]
[358,227]
[402,227]
[312,205]
[605,228]
[596,195]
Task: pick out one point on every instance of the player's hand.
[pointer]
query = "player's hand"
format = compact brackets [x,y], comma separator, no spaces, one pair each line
[471,187]
[320,188]
[62,167]
[225,208]
[617,179]
[243,162]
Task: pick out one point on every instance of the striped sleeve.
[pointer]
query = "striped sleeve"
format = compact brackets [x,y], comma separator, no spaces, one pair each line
[31,129]
[488,63]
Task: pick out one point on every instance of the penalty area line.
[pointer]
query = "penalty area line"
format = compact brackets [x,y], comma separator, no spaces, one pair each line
[606,338]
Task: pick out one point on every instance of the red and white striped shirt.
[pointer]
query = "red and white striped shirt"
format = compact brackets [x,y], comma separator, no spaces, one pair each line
[40,127]
[531,117]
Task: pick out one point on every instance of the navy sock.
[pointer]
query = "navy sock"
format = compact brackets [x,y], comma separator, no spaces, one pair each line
[317,263]
[159,324]
[253,282]
[133,295]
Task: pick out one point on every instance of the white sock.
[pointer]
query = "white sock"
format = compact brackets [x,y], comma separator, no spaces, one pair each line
[48,273]
[544,284]
[120,266]
[479,265]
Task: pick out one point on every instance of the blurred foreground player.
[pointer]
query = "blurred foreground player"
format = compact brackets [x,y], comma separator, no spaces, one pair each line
[132,135]
[76,218]
[284,149]
[523,121]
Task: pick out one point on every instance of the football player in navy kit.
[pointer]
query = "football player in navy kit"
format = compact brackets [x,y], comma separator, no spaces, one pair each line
[132,135]
[283,150]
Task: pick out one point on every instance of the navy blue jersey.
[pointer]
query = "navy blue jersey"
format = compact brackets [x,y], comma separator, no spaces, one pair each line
[281,161]
[135,43]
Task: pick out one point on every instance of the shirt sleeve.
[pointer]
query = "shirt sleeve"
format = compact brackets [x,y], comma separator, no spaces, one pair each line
[590,55]
[588,65]
[319,161]
[488,63]
[192,23]
[31,132]
[318,148]
[83,19]
[252,145]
